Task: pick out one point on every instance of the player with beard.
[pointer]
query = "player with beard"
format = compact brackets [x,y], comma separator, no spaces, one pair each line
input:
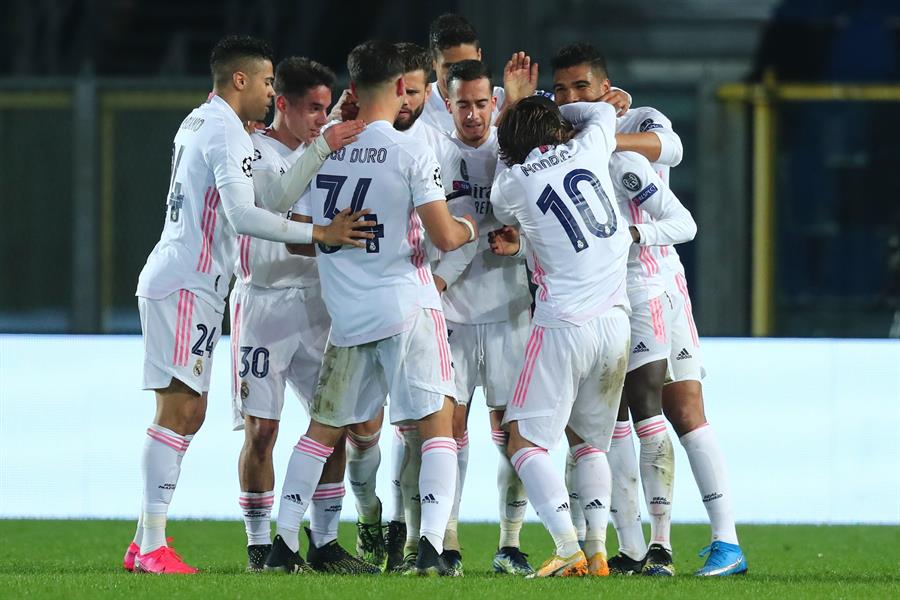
[579,75]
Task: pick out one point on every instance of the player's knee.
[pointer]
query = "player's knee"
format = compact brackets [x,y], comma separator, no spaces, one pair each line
[261,433]
[683,407]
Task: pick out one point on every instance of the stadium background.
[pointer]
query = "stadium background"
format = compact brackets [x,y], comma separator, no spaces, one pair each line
[788,112]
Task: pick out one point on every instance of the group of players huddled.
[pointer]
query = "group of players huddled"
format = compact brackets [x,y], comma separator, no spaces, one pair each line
[382,250]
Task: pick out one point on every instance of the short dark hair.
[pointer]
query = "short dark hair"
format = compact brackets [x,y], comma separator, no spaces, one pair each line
[415,58]
[449,30]
[468,70]
[296,75]
[531,122]
[373,63]
[232,50]
[580,53]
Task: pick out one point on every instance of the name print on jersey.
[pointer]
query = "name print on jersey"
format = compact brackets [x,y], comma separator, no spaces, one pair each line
[545,162]
[361,155]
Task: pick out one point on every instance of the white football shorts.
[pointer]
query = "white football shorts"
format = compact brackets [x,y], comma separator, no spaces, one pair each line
[572,376]
[413,367]
[650,336]
[686,359]
[180,333]
[278,337]
[489,354]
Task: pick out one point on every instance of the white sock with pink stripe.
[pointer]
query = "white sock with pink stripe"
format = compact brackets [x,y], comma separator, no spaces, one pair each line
[325,512]
[451,538]
[257,509]
[303,473]
[594,489]
[437,488]
[657,466]
[708,465]
[547,494]
[398,457]
[511,494]
[575,510]
[625,504]
[363,460]
[161,465]
[409,486]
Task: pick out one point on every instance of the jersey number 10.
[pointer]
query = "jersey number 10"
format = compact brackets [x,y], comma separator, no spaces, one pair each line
[551,201]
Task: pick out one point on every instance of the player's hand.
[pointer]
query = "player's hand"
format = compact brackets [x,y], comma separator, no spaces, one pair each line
[520,78]
[339,135]
[619,99]
[439,283]
[346,229]
[346,108]
[504,241]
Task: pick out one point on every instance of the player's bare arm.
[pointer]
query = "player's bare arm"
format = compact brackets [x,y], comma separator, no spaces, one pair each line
[645,143]
[520,78]
[346,229]
[447,232]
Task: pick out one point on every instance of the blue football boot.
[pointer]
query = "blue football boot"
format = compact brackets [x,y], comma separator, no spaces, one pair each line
[724,559]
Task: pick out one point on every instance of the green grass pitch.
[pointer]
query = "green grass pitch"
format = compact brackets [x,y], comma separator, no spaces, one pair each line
[82,559]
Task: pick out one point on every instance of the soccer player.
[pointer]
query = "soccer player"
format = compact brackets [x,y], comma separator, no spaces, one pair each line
[388,333]
[558,191]
[401,542]
[649,132]
[279,326]
[181,290]
[487,304]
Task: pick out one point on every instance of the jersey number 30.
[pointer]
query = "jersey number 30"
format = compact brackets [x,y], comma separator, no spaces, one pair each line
[332,185]
[551,201]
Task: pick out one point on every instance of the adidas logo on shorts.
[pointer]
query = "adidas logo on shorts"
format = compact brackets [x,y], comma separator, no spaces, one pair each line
[684,354]
[594,504]
[429,499]
[641,347]
[564,507]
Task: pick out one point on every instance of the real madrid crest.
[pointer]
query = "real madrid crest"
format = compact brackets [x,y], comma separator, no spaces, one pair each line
[631,181]
[245,390]
[198,367]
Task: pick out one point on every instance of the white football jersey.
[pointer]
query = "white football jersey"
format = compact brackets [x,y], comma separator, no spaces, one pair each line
[260,262]
[197,247]
[563,199]
[492,288]
[646,118]
[648,204]
[449,159]
[375,292]
[437,115]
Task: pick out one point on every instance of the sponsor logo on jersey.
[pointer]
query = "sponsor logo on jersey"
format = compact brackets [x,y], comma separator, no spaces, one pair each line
[648,124]
[247,166]
[645,194]
[683,355]
[631,181]
[641,347]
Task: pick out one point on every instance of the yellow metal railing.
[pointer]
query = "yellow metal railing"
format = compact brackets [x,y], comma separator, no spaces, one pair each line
[764,98]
